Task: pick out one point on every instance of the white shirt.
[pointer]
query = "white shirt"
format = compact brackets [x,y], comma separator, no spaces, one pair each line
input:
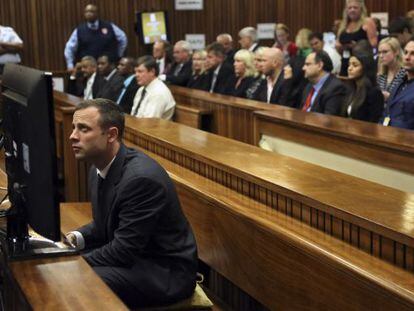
[87,92]
[252,47]
[8,35]
[158,101]
[335,58]
[161,65]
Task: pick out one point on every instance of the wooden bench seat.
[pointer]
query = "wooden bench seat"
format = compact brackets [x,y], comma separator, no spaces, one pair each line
[198,118]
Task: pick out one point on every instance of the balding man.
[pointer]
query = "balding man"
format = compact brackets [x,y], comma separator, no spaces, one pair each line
[95,37]
[226,41]
[181,70]
[270,90]
[161,51]
[248,39]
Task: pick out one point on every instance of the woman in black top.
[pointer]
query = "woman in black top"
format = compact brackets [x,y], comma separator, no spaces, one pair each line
[366,101]
[199,78]
[244,71]
[355,26]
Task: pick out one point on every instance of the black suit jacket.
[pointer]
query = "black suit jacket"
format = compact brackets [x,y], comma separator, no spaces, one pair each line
[183,75]
[275,97]
[97,85]
[111,89]
[127,99]
[241,90]
[371,108]
[139,229]
[223,80]
[199,82]
[330,98]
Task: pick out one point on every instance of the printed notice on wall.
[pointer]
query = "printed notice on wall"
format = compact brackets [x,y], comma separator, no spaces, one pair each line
[188,4]
[266,31]
[383,17]
[197,41]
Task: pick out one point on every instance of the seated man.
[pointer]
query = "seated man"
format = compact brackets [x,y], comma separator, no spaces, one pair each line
[220,73]
[89,72]
[139,241]
[153,98]
[110,82]
[126,67]
[181,70]
[324,93]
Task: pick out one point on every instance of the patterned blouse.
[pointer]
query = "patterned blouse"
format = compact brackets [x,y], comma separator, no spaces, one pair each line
[382,81]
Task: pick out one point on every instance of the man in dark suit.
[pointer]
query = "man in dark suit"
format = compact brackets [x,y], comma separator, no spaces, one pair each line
[181,70]
[248,39]
[110,81]
[324,93]
[162,52]
[220,73]
[226,40]
[126,69]
[139,241]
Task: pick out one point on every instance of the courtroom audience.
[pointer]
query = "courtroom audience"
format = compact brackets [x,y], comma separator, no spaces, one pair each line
[366,101]
[95,37]
[199,78]
[251,92]
[89,67]
[248,39]
[390,70]
[110,81]
[153,99]
[288,48]
[317,44]
[270,90]
[126,68]
[226,40]
[324,93]
[355,26]
[302,42]
[162,52]
[244,74]
[181,69]
[399,109]
[401,29]
[220,72]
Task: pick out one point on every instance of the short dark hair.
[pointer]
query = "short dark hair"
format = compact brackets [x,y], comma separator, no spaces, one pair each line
[149,63]
[316,35]
[323,57]
[399,25]
[216,48]
[111,114]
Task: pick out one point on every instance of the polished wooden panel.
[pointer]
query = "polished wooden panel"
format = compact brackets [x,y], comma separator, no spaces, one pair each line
[45,37]
[385,146]
[197,118]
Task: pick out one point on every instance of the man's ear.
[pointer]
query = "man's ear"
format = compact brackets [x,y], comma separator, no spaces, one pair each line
[113,134]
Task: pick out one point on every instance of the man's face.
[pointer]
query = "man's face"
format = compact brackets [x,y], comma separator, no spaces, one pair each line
[225,42]
[124,67]
[268,64]
[408,58]
[213,60]
[158,50]
[311,69]
[91,13]
[180,55]
[245,42]
[104,67]
[143,75]
[89,141]
[87,68]
[316,44]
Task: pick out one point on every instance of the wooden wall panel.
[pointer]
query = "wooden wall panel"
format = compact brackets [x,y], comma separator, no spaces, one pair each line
[45,25]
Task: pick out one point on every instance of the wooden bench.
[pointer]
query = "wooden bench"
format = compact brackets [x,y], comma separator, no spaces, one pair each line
[199,118]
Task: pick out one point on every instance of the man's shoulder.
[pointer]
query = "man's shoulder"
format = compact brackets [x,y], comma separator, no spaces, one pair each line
[138,165]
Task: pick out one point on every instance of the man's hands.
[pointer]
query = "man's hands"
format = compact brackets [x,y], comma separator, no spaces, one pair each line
[70,239]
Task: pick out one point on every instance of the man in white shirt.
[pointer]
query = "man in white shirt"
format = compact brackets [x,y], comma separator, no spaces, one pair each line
[153,99]
[317,44]
[10,45]
[248,39]
[89,72]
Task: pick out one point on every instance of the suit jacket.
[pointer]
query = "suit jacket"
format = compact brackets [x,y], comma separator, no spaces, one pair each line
[275,97]
[330,99]
[371,108]
[111,89]
[138,226]
[183,75]
[223,80]
[241,90]
[401,107]
[97,85]
[199,82]
[127,99]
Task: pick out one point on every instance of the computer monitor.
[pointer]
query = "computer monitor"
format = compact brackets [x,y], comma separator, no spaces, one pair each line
[152,26]
[30,156]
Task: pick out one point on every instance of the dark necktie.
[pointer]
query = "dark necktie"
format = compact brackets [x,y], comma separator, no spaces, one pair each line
[308,100]
[100,209]
[178,69]
[144,91]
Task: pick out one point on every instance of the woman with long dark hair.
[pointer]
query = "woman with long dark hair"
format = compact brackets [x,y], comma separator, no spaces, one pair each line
[366,101]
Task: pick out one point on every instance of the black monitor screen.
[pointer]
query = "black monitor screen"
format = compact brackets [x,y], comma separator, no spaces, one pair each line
[152,26]
[30,150]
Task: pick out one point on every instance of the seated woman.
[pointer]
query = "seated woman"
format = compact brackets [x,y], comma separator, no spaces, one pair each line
[199,78]
[390,71]
[366,101]
[244,74]
[251,92]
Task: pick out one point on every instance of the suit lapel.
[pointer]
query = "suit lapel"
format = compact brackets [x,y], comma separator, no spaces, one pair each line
[324,86]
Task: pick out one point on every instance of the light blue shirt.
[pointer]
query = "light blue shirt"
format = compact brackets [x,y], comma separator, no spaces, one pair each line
[317,87]
[126,83]
[72,44]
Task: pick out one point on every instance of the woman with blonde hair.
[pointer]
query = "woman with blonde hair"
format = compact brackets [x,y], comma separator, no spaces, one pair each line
[390,71]
[288,48]
[244,73]
[302,42]
[199,78]
[355,26]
